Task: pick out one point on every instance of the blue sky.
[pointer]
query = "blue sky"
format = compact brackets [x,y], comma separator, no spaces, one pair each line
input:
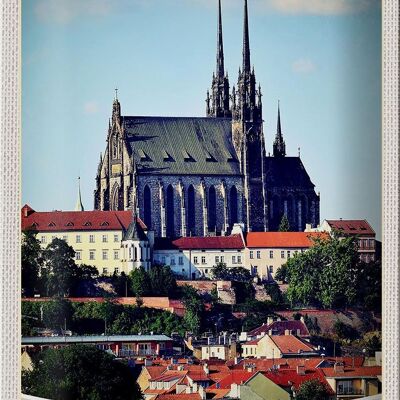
[320,58]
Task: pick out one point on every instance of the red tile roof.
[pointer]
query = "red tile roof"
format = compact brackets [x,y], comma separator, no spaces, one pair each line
[234,376]
[180,396]
[282,239]
[56,221]
[352,226]
[208,242]
[279,327]
[154,371]
[353,372]
[291,344]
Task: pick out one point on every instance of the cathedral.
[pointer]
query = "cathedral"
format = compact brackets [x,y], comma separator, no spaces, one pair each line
[198,176]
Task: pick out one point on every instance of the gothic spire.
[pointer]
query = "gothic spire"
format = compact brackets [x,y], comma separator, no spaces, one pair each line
[246,41]
[279,144]
[79,205]
[220,46]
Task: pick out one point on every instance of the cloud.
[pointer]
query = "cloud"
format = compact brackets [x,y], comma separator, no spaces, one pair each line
[303,66]
[64,11]
[91,107]
[319,7]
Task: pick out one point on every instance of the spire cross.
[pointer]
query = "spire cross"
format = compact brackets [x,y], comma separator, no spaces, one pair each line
[116,93]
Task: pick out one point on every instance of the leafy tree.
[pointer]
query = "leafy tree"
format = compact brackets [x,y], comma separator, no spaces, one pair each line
[162,281]
[122,284]
[284,225]
[31,262]
[371,342]
[369,288]
[236,274]
[313,390]
[194,308]
[272,289]
[344,331]
[140,282]
[62,272]
[281,273]
[80,372]
[57,314]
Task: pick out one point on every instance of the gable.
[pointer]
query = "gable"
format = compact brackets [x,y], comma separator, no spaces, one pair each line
[181,146]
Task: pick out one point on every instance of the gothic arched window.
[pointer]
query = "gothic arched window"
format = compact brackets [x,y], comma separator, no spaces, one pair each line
[115,198]
[233,206]
[170,212]
[147,206]
[212,210]
[191,211]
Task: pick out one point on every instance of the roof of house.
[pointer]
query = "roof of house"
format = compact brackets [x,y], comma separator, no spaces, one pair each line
[218,393]
[234,376]
[155,370]
[353,372]
[289,344]
[55,221]
[194,243]
[180,396]
[279,328]
[283,239]
[181,145]
[287,172]
[351,226]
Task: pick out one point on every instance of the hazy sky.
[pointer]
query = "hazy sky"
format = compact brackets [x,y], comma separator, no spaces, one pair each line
[320,58]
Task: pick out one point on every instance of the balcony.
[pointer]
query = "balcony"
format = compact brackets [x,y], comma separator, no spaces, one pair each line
[349,391]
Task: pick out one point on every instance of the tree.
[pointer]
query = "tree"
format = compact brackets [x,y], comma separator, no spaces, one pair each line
[140,282]
[194,308]
[162,281]
[62,272]
[80,372]
[31,262]
[313,390]
[284,226]
[236,274]
[272,289]
[57,314]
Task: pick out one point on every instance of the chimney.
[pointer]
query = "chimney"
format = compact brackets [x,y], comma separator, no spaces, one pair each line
[148,362]
[302,319]
[206,369]
[287,332]
[270,320]
[180,368]
[339,368]
[270,332]
[298,332]
[301,370]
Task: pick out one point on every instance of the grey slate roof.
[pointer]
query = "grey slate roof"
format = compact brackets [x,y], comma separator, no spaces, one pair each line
[287,172]
[134,231]
[182,145]
[93,339]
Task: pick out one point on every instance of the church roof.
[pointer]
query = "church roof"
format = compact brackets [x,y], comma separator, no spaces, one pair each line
[287,171]
[181,145]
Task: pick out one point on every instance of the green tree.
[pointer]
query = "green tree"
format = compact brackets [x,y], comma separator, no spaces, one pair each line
[57,314]
[62,272]
[313,390]
[162,281]
[194,308]
[371,342]
[31,262]
[284,225]
[236,274]
[80,372]
[272,289]
[140,282]
[344,331]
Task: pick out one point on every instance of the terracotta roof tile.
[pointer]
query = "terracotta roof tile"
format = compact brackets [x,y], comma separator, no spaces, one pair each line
[209,242]
[353,372]
[279,327]
[352,226]
[282,239]
[235,376]
[180,396]
[291,344]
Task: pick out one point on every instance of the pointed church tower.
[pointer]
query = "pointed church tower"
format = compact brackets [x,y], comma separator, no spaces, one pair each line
[279,145]
[79,205]
[248,137]
[218,103]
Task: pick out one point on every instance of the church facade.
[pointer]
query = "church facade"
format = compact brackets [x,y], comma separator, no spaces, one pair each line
[198,176]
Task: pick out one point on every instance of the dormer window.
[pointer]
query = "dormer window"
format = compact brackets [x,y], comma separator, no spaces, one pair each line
[105,223]
[166,156]
[187,156]
[87,223]
[52,224]
[69,224]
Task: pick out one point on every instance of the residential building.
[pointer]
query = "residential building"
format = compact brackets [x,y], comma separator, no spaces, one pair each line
[266,252]
[195,257]
[366,242]
[99,238]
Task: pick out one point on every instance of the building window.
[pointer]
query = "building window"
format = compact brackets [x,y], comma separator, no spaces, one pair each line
[116,254]
[104,239]
[203,260]
[116,270]
[53,237]
[91,238]
[78,255]
[222,259]
[371,243]
[78,238]
[196,260]
[239,259]
[206,271]
[172,260]
[282,254]
[360,243]
[251,254]
[43,239]
[233,259]
[216,259]
[105,271]
[116,238]
[271,269]
[288,254]
[180,260]
[258,254]
[105,255]
[271,254]
[65,238]
[91,255]
[255,270]
[365,243]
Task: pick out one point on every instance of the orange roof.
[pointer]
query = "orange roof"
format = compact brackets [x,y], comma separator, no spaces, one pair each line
[291,344]
[235,376]
[218,393]
[282,239]
[154,371]
[56,221]
[180,396]
[353,372]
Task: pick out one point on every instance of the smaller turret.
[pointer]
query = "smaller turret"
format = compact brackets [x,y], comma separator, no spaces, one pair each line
[279,144]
